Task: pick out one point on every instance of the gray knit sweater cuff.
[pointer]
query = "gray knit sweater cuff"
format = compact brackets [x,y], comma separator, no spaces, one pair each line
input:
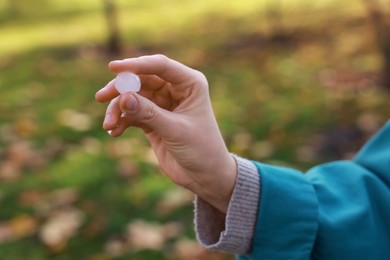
[234,231]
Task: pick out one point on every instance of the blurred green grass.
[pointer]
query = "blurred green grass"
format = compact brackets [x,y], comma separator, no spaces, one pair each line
[277,83]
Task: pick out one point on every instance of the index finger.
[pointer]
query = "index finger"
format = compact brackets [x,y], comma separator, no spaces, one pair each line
[149,83]
[107,93]
[160,65]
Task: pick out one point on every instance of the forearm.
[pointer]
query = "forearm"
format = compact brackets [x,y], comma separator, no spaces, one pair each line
[231,232]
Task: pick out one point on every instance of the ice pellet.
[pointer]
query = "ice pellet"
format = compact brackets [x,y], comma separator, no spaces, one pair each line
[127,82]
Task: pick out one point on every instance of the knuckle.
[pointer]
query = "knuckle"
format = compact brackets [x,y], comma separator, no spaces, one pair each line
[162,58]
[150,114]
[201,79]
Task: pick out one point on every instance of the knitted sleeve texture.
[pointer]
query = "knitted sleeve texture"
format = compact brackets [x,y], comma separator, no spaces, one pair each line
[231,232]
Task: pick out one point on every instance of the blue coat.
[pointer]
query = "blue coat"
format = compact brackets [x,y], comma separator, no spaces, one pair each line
[339,210]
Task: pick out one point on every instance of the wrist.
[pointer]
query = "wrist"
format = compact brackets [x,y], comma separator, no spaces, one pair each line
[217,186]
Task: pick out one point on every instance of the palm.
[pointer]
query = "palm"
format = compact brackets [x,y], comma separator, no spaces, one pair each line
[174,151]
[168,160]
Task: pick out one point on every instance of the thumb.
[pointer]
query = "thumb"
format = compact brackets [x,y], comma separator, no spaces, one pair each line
[145,114]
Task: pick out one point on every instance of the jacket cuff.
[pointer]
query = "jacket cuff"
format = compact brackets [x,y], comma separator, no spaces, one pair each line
[231,232]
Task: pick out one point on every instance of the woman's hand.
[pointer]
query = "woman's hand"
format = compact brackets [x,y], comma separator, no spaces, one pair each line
[174,110]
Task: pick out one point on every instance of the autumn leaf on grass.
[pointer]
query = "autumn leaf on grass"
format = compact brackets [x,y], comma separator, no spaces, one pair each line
[75,120]
[60,227]
[144,235]
[18,227]
[127,168]
[187,249]
[173,199]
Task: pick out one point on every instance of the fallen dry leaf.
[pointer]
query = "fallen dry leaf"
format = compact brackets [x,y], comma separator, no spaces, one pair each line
[369,122]
[5,232]
[9,171]
[116,247]
[175,198]
[187,249]
[123,147]
[32,197]
[19,152]
[26,127]
[75,120]
[60,227]
[262,149]
[99,257]
[241,142]
[127,169]
[23,226]
[144,235]
[91,145]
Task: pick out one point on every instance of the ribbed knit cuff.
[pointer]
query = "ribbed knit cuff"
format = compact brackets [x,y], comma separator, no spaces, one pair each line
[234,231]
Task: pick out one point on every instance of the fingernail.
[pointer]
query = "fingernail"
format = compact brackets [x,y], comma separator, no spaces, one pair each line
[116,62]
[100,90]
[132,103]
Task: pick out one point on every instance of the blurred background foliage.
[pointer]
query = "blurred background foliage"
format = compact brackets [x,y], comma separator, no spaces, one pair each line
[293,82]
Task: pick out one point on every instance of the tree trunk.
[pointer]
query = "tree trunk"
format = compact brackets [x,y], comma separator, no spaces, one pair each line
[113,41]
[381,24]
[274,16]
[13,8]
[385,48]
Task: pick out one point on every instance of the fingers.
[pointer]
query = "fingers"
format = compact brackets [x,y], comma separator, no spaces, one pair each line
[120,128]
[107,93]
[156,73]
[113,114]
[116,121]
[143,113]
[148,82]
[135,110]
[152,82]
[165,68]
[165,83]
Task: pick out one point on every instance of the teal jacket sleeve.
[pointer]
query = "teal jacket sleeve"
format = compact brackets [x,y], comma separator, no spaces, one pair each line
[338,210]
